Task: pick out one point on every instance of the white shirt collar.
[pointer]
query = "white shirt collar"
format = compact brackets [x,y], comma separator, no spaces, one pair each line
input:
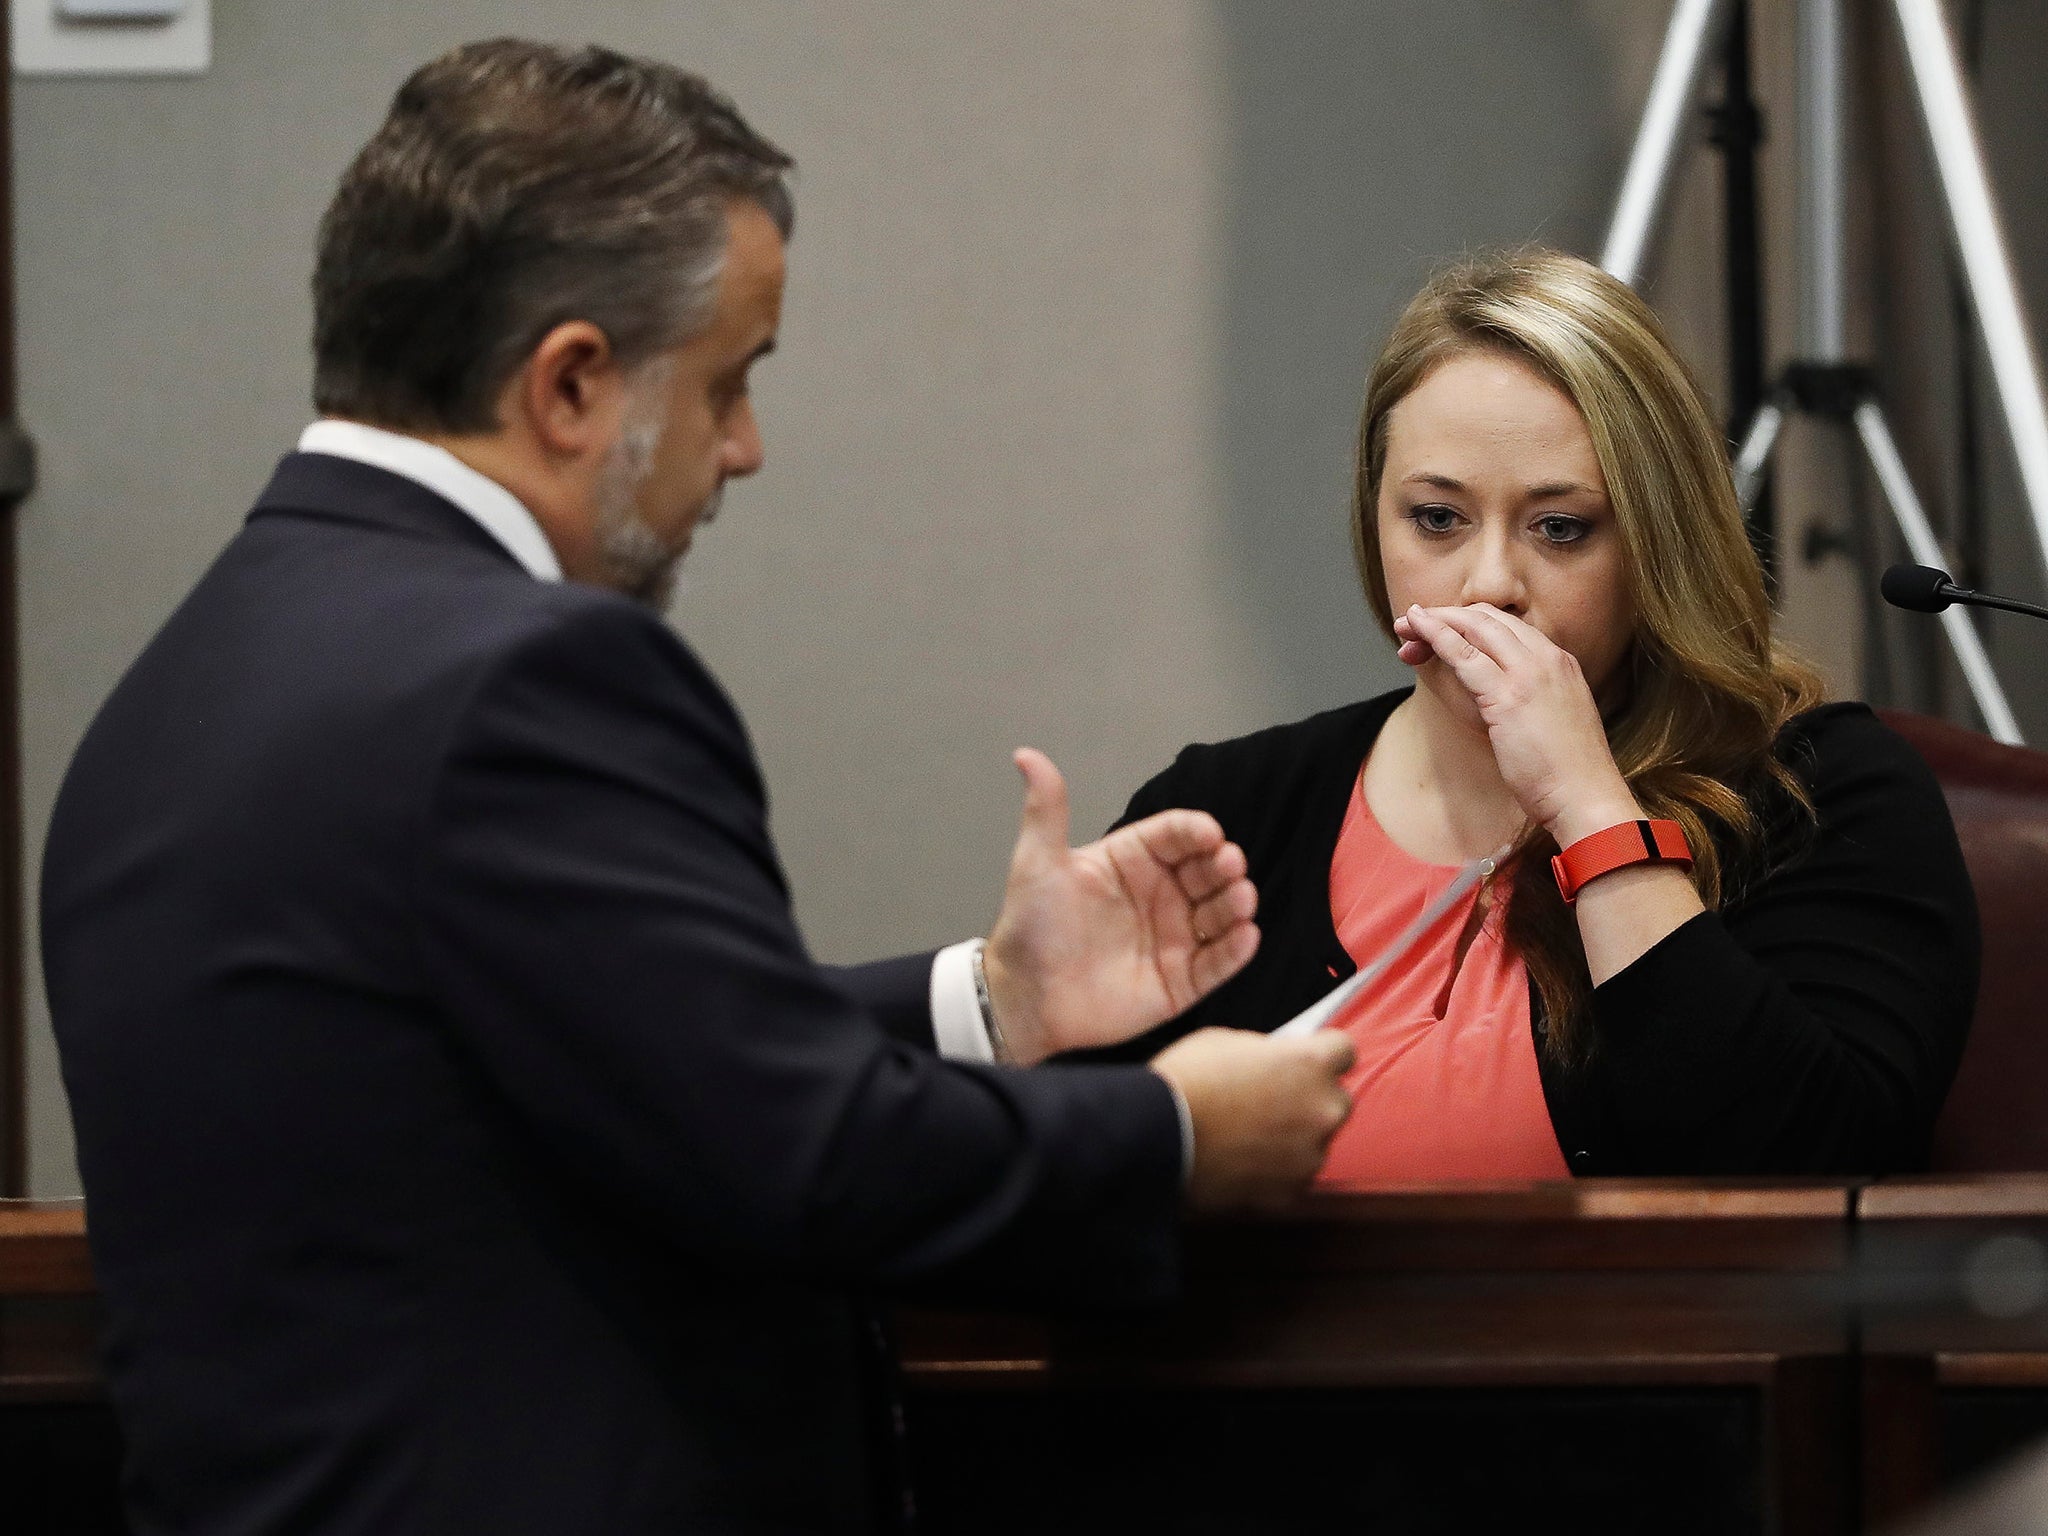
[497,510]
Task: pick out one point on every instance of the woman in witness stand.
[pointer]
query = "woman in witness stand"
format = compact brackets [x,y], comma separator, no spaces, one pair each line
[1760,952]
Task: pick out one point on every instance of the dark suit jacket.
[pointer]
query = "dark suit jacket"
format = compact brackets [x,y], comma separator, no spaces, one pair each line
[1812,1025]
[470,1144]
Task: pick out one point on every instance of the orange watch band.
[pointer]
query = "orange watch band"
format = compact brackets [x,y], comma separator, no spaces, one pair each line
[1617,847]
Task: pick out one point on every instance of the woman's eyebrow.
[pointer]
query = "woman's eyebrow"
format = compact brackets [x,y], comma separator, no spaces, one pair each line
[1444,482]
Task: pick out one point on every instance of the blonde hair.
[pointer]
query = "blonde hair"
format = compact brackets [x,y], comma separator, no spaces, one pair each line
[1707,687]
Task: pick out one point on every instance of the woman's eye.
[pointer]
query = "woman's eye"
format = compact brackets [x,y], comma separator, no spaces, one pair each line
[1434,519]
[1557,528]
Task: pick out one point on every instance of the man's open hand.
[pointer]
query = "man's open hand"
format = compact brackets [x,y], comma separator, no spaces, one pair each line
[1095,945]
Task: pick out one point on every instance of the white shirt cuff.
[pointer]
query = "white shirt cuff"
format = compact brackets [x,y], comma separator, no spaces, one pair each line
[957,1029]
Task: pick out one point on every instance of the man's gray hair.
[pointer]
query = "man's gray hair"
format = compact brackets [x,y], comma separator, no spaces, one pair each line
[512,187]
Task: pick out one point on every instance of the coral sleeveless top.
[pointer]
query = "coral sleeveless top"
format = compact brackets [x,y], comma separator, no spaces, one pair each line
[1445,1086]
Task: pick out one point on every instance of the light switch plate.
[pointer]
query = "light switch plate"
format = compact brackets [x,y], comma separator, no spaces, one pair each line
[46,43]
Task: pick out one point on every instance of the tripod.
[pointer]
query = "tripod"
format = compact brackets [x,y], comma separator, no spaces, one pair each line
[1824,381]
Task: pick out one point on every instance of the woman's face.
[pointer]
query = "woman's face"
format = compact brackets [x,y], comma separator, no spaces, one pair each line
[1491,493]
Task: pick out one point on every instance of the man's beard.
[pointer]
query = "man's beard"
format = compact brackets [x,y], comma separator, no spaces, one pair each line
[638,561]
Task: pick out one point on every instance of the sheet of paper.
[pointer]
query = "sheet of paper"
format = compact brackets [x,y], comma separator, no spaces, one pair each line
[1319,1014]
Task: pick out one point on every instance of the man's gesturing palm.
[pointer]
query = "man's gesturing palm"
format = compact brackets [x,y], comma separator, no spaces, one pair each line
[1095,945]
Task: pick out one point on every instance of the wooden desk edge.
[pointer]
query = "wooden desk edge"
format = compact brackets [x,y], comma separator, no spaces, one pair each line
[43,1251]
[1991,1368]
[1719,1368]
[1582,1199]
[1937,1197]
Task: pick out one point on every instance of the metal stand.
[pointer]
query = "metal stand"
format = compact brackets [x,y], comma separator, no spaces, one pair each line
[1824,382]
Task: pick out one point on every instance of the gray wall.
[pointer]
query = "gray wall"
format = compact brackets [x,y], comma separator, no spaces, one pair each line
[1352,169]
[1082,300]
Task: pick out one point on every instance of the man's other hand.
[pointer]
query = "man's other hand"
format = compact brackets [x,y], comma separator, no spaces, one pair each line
[1098,944]
[1263,1110]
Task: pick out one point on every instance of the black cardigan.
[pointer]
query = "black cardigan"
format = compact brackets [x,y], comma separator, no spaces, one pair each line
[1812,1027]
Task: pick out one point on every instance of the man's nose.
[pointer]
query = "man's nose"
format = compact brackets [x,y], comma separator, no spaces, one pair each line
[1495,574]
[744,451]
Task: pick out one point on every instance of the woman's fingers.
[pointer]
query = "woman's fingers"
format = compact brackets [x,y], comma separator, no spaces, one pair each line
[1532,697]
[1410,648]
[1537,642]
[1488,629]
[1478,671]
[1509,642]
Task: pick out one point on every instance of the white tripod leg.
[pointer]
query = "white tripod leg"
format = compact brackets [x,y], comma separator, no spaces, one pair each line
[1696,25]
[1912,519]
[1980,243]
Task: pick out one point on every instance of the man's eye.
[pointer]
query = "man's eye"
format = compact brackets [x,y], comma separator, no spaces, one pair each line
[1434,518]
[1560,529]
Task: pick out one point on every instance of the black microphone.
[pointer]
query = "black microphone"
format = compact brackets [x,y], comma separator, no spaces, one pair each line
[1923,589]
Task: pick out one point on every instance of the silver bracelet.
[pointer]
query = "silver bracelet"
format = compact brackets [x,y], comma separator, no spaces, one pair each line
[984,1002]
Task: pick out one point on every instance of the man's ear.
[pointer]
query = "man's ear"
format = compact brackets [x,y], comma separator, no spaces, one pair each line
[570,391]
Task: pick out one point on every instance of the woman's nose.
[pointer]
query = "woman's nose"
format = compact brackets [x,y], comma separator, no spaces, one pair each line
[1495,578]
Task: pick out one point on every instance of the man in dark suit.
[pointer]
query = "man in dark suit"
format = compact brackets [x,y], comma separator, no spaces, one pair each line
[471,1145]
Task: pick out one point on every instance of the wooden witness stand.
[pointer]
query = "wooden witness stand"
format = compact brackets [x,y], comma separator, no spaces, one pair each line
[1828,1330]
[1731,1292]
[49,1310]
